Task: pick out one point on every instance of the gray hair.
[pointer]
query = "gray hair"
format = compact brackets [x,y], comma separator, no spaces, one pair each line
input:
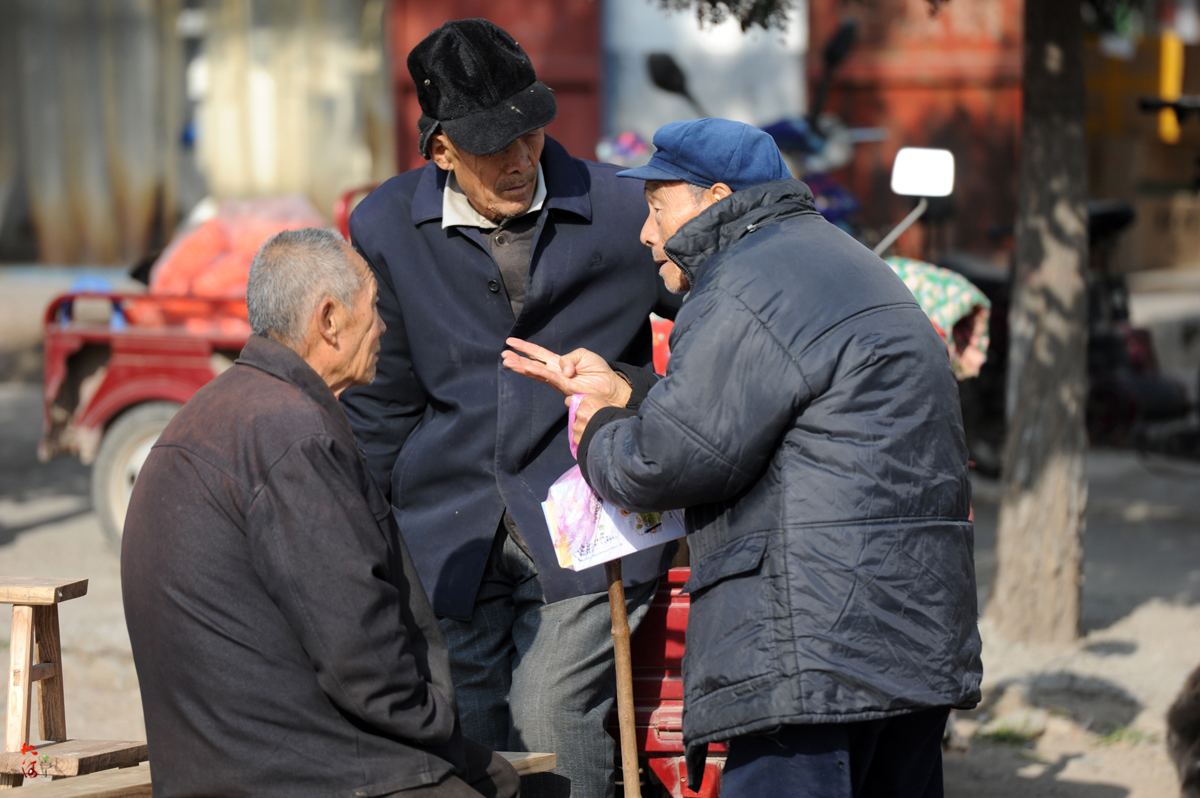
[291,274]
[696,190]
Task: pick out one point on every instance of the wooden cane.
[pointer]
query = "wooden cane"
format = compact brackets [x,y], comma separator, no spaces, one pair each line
[620,633]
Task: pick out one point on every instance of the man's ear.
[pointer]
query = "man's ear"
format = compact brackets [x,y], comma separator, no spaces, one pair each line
[440,152]
[329,321]
[717,192]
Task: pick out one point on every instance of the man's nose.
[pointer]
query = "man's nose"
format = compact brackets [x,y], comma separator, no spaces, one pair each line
[649,231]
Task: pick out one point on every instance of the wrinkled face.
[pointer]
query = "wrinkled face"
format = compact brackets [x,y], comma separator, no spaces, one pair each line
[362,331]
[672,205]
[500,185]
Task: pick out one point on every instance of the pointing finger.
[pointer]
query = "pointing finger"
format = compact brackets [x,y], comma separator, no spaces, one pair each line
[531,350]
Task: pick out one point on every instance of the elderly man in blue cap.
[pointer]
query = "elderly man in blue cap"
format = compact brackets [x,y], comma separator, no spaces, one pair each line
[809,424]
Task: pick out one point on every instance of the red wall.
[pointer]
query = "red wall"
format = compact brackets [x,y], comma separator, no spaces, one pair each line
[562,38]
[951,81]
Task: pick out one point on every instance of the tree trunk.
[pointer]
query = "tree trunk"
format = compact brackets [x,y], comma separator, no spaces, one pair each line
[1036,591]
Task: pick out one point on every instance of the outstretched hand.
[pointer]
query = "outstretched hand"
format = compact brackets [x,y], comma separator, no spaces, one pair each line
[581,371]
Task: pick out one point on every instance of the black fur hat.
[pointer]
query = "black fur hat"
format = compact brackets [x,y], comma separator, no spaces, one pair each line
[476,83]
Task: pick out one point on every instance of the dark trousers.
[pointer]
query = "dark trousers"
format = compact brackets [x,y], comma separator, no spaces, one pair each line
[899,757]
[488,775]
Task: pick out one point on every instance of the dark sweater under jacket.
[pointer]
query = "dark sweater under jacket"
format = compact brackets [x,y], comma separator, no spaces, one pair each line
[809,422]
[283,642]
[452,436]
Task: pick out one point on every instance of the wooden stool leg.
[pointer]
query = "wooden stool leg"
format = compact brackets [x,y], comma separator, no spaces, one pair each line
[20,682]
[52,706]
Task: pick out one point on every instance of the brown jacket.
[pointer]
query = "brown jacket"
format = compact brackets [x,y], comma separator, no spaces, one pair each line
[283,642]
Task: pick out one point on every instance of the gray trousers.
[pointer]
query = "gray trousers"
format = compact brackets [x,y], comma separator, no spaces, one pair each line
[532,676]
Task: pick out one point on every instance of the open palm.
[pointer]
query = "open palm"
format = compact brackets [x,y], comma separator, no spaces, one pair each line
[581,371]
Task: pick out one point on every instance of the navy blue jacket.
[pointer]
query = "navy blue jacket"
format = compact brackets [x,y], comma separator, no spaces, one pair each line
[449,433]
[809,422]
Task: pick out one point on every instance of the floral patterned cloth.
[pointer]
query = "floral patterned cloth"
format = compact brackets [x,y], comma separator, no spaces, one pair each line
[944,295]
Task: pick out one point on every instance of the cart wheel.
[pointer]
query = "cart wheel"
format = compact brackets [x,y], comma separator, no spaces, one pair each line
[125,447]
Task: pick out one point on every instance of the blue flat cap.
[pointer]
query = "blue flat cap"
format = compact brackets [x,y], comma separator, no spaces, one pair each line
[711,151]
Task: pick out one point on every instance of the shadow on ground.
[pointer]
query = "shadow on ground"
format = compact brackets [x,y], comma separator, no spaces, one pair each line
[1006,771]
[21,365]
[1142,539]
[33,493]
[1094,704]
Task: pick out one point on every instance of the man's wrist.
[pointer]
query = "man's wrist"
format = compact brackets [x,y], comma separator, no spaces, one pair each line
[621,392]
[639,381]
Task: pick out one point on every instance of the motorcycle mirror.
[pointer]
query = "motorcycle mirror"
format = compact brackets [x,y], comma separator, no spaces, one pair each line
[666,73]
[836,49]
[923,172]
[918,172]
[841,43]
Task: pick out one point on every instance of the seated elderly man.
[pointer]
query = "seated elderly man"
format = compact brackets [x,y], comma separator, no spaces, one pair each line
[283,642]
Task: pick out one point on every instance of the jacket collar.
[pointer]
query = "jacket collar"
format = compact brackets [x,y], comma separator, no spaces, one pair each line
[738,215]
[284,363]
[566,186]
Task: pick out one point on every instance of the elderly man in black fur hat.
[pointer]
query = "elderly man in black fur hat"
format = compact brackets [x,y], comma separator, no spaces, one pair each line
[502,234]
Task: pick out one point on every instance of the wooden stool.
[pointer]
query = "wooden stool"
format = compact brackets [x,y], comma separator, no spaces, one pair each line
[135,782]
[35,621]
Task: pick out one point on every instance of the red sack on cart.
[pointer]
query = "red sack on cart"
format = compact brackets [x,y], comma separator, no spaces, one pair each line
[213,259]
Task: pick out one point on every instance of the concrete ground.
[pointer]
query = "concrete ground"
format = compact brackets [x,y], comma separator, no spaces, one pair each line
[1087,720]
[47,528]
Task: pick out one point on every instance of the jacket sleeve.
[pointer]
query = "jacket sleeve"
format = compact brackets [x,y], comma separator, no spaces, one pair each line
[706,430]
[325,562]
[384,413]
[640,380]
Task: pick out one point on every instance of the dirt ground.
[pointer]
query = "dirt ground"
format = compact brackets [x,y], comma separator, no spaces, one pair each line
[1078,721]
[1087,720]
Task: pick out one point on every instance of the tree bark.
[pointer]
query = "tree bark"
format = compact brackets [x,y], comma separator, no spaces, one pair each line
[1039,552]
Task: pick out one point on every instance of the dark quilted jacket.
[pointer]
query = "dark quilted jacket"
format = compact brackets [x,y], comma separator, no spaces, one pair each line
[809,422]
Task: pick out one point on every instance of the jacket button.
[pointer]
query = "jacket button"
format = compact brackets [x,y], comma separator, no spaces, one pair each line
[502,240]
[494,286]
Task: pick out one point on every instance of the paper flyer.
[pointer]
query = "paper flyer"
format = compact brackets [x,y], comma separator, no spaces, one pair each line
[588,531]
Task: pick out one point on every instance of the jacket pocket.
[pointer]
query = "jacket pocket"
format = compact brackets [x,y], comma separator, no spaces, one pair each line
[741,556]
[732,624]
[892,606]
